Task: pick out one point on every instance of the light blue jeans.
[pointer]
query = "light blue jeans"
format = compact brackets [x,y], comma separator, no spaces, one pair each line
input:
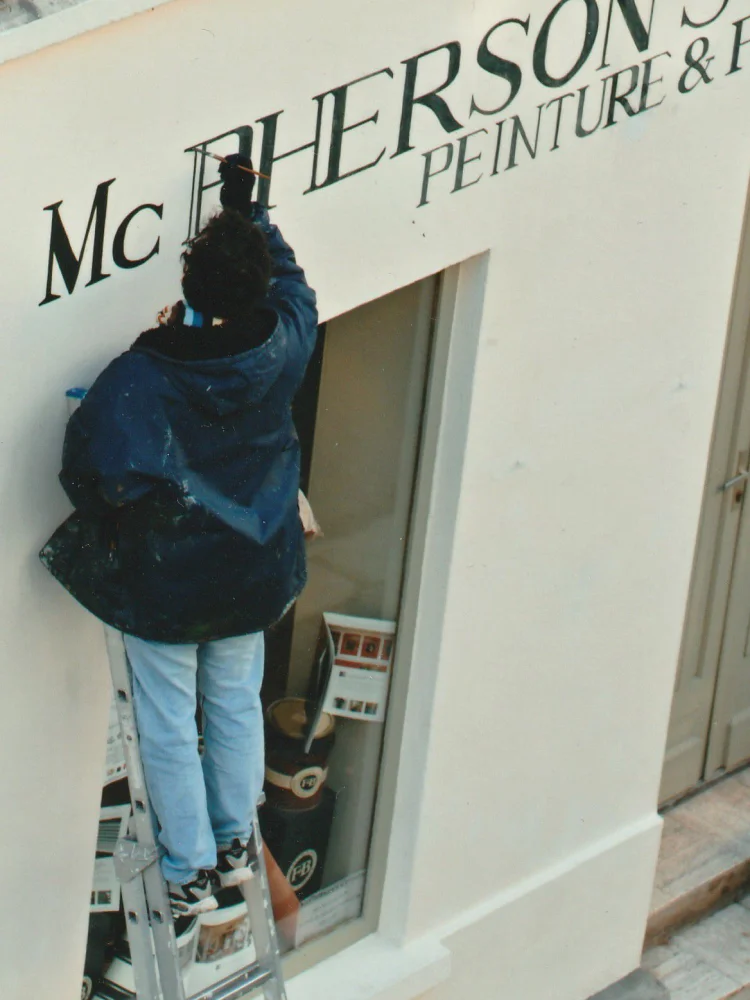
[200,804]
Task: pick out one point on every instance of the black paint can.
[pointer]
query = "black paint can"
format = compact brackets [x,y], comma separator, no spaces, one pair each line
[295,779]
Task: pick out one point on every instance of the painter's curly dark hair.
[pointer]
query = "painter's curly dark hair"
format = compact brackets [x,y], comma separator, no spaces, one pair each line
[227,267]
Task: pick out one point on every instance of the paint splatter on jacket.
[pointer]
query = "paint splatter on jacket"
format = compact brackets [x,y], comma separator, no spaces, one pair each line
[184,470]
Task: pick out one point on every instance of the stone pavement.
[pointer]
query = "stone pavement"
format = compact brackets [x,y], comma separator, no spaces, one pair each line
[642,985]
[708,961]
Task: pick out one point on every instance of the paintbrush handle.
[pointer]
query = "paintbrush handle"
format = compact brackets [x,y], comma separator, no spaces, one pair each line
[222,159]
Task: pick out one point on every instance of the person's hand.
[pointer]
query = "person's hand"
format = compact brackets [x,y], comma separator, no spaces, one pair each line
[169,314]
[237,189]
[310,524]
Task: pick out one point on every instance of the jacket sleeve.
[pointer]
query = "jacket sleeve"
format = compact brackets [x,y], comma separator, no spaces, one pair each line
[289,293]
[112,447]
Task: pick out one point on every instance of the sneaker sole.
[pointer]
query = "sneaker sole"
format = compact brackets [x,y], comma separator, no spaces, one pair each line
[233,878]
[193,909]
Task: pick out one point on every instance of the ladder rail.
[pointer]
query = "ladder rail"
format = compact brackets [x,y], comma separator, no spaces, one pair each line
[141,951]
[262,921]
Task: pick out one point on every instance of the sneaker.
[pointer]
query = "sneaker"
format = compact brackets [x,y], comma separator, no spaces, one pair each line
[234,864]
[193,897]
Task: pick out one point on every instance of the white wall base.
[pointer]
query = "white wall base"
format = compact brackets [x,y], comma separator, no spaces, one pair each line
[566,937]
[519,943]
[374,969]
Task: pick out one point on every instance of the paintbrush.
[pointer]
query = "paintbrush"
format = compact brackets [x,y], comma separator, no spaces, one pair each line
[222,159]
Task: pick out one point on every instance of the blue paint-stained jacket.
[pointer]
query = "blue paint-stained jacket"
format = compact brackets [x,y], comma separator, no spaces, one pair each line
[184,475]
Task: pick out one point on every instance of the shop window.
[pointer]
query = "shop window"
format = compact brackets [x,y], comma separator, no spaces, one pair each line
[329,663]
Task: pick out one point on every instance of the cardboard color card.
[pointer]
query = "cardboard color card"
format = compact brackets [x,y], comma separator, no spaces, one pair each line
[362,658]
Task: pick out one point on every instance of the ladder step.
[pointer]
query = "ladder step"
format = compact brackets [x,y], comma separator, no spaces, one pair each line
[238,985]
[108,991]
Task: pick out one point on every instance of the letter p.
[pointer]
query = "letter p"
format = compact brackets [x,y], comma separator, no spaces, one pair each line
[429,173]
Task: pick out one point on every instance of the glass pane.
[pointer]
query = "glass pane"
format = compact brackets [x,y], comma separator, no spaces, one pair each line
[361,484]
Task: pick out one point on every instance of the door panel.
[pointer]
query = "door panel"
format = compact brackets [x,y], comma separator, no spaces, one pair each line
[729,739]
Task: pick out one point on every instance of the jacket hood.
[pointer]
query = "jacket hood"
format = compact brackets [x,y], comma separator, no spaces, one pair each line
[226,385]
[236,380]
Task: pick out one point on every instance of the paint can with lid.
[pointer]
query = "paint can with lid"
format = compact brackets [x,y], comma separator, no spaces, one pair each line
[295,779]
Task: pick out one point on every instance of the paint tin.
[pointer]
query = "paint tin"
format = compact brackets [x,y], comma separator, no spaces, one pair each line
[295,779]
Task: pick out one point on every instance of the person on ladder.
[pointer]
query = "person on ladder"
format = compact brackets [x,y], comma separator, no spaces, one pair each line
[182,463]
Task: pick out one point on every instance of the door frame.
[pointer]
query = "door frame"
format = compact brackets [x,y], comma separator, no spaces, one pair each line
[713,561]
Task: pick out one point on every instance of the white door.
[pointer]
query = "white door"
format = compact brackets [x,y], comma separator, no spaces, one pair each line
[710,725]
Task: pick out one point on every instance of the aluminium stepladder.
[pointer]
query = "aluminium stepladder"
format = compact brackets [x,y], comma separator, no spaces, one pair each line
[150,929]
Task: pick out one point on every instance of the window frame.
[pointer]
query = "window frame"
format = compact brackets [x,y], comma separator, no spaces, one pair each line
[456,320]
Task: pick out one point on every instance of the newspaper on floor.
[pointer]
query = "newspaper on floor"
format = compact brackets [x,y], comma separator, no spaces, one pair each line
[330,907]
[214,946]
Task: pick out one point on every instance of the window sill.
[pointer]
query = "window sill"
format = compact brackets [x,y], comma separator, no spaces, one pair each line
[375,969]
[23,39]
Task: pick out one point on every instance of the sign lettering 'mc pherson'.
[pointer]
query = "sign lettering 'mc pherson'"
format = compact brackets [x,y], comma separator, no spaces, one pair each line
[580,34]
[263,137]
